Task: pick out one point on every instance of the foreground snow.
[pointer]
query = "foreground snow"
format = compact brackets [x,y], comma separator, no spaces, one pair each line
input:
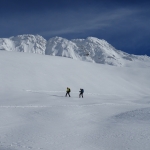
[113,115]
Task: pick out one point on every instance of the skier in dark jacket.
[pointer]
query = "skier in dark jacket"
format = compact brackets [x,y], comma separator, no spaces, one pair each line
[81,93]
[68,92]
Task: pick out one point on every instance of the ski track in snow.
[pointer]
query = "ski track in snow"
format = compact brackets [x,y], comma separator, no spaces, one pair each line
[118,96]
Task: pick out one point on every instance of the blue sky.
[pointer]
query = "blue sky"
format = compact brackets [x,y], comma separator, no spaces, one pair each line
[124,24]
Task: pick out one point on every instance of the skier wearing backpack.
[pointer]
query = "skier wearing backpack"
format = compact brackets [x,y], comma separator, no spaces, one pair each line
[81,93]
[68,92]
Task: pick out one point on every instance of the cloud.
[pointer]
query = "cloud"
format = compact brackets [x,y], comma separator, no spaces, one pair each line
[75,22]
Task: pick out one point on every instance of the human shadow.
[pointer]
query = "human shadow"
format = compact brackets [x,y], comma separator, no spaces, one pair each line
[57,96]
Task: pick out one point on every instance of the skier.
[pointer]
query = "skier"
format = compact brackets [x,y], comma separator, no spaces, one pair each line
[81,93]
[68,92]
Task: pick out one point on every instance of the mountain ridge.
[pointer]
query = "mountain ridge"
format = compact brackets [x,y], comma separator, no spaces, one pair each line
[90,49]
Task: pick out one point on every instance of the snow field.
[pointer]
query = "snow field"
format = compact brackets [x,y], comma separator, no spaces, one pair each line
[35,114]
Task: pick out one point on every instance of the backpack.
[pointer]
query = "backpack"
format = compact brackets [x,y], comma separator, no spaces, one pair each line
[82,90]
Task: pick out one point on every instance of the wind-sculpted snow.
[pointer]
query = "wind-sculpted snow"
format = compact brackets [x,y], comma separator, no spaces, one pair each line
[138,115]
[24,43]
[62,47]
[90,49]
[99,51]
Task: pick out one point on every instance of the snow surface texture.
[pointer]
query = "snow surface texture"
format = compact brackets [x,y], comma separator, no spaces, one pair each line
[35,114]
[91,49]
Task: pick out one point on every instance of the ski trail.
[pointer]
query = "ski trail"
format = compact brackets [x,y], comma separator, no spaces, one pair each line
[42,91]
[51,106]
[87,93]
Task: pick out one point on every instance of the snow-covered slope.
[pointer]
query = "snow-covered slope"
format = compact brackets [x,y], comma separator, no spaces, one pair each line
[99,51]
[36,115]
[58,46]
[90,49]
[58,71]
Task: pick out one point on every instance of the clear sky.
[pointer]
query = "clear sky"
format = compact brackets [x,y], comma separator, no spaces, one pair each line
[123,23]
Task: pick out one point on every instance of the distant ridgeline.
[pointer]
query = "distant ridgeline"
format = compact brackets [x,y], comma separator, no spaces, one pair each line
[90,49]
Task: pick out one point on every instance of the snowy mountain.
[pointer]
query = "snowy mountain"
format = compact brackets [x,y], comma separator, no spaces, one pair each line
[24,43]
[90,49]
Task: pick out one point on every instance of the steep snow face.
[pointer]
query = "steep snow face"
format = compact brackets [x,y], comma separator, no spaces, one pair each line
[93,50]
[24,43]
[58,46]
[90,49]
[99,51]
[6,44]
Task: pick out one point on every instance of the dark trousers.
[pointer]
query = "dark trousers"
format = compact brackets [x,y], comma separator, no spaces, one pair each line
[81,94]
[68,93]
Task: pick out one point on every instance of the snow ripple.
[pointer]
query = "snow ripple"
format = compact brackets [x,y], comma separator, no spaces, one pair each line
[135,115]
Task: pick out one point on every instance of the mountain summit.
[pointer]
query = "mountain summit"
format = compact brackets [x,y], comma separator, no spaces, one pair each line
[90,49]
